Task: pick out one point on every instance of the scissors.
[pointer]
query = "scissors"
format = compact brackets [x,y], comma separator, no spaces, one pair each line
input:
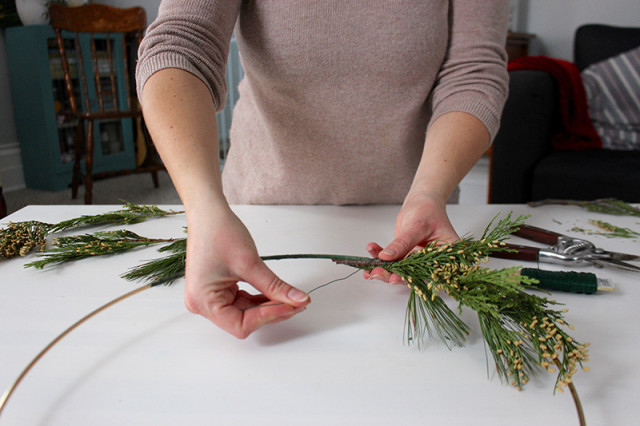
[565,250]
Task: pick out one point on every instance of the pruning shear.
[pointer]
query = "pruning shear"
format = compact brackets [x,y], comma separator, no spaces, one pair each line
[565,250]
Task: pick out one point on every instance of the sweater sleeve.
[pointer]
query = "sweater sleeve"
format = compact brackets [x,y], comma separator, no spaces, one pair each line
[473,77]
[192,35]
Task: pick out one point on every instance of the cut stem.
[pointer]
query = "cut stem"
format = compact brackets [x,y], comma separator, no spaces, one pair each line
[574,395]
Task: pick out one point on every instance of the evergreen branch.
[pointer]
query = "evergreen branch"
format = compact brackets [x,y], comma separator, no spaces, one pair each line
[131,213]
[165,270]
[521,330]
[67,249]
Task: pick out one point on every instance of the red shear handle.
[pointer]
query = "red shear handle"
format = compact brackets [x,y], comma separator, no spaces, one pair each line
[540,235]
[525,253]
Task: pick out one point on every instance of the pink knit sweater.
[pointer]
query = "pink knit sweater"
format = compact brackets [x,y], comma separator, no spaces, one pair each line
[337,94]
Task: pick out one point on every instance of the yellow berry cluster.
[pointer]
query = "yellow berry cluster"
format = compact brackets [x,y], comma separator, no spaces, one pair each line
[21,237]
[552,342]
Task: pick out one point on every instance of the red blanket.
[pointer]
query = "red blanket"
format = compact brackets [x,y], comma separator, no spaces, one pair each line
[578,132]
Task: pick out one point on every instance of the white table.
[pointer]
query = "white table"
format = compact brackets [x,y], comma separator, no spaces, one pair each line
[342,361]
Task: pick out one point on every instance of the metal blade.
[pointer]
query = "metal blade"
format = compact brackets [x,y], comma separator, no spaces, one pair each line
[622,256]
[616,264]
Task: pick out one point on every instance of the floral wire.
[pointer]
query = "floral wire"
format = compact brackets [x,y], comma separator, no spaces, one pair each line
[309,292]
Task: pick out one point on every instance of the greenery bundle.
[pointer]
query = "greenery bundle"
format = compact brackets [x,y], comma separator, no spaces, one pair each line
[20,238]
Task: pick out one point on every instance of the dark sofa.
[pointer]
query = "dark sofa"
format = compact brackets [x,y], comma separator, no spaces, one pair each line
[523,165]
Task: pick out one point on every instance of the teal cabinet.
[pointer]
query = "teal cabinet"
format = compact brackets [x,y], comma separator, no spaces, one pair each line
[45,129]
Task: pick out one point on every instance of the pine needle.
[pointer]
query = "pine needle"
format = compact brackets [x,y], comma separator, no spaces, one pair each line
[165,270]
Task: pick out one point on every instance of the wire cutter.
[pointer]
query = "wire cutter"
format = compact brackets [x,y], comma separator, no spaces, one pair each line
[565,250]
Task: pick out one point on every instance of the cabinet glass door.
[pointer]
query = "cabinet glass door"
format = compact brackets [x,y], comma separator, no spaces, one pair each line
[110,136]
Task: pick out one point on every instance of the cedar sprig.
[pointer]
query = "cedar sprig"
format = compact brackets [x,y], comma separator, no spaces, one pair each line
[76,247]
[525,333]
[129,214]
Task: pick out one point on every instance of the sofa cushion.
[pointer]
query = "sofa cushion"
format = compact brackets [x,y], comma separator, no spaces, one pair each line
[588,175]
[597,42]
[613,95]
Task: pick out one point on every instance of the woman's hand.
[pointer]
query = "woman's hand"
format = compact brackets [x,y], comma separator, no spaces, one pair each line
[454,143]
[180,115]
[421,220]
[221,252]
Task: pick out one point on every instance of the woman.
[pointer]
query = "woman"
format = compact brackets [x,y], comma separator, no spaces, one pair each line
[343,102]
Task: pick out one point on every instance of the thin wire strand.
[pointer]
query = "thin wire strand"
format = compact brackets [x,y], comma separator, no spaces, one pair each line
[333,281]
[310,291]
[7,394]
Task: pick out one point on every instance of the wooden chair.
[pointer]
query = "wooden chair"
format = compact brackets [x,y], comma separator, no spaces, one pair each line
[113,35]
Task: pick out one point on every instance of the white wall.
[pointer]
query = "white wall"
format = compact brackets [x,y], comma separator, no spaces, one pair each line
[554,21]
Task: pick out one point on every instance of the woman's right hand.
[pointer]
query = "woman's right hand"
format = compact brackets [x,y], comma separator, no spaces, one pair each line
[180,116]
[220,253]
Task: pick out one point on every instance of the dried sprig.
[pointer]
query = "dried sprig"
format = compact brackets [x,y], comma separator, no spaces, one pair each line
[610,231]
[19,238]
[611,206]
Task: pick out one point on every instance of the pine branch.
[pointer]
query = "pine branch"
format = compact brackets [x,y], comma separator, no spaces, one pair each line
[165,270]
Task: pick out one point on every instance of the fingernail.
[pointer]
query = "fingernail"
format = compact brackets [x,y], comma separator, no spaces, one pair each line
[297,295]
[389,252]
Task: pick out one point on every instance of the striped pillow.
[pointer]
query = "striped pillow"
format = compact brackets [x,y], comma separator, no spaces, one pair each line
[613,95]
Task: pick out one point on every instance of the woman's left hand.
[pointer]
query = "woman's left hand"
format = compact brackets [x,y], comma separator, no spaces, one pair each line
[421,220]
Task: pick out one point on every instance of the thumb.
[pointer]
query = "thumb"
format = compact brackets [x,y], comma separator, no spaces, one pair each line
[399,247]
[270,285]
